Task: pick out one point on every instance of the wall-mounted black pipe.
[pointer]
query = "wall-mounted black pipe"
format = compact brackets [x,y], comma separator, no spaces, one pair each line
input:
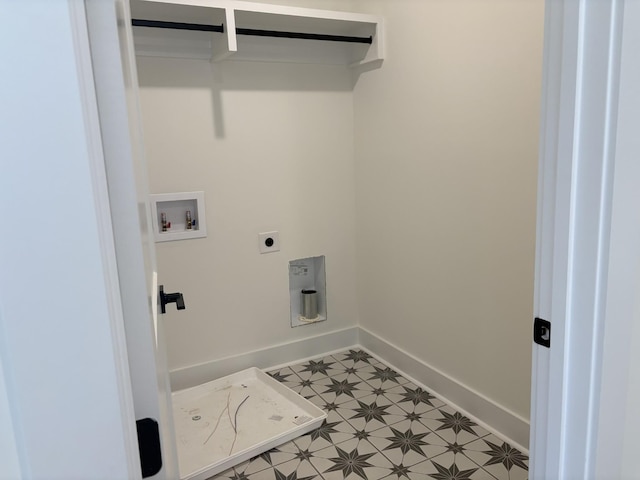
[250,31]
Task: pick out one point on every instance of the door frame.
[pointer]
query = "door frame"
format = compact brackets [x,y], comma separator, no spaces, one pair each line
[61,327]
[89,96]
[620,393]
[579,112]
[575,190]
[116,84]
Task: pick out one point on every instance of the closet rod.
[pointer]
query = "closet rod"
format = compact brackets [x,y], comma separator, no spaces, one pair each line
[304,36]
[177,25]
[250,31]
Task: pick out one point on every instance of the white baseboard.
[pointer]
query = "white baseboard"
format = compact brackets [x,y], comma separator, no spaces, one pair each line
[506,424]
[284,353]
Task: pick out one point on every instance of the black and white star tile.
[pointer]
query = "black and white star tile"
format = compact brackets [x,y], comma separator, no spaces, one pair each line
[380,426]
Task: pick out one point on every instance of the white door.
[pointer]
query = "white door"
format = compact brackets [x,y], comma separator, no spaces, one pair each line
[116,82]
[577,156]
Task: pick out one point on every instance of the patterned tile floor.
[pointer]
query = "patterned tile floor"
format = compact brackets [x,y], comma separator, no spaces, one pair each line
[379,426]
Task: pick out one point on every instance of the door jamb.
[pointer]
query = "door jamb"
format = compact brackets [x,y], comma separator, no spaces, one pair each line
[77,15]
[578,129]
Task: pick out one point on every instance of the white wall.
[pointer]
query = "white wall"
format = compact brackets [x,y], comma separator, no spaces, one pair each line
[446,158]
[9,461]
[272,147]
[618,442]
[627,201]
[64,379]
[446,140]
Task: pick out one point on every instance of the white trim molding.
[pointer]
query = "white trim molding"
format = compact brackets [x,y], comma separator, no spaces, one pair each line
[619,419]
[11,445]
[86,81]
[506,424]
[577,150]
[283,353]
[509,426]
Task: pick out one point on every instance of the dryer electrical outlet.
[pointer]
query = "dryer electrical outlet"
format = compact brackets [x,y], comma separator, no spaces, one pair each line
[269,242]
